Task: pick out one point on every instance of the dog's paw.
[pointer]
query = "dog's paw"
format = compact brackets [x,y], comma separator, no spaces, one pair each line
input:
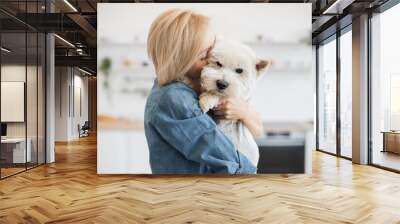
[205,104]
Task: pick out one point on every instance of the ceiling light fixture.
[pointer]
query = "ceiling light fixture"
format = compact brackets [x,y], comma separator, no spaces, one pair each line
[84,71]
[79,51]
[64,40]
[5,50]
[326,11]
[337,7]
[70,5]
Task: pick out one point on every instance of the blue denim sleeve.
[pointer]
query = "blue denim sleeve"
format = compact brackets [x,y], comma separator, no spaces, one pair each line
[183,125]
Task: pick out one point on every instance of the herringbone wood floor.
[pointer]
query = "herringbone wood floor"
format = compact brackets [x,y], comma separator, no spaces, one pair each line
[70,191]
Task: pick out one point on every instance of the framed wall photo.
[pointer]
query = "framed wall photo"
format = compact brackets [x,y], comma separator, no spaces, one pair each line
[272,61]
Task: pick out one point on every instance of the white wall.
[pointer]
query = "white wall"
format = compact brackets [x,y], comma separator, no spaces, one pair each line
[80,97]
[134,20]
[285,92]
[69,82]
[61,103]
[285,98]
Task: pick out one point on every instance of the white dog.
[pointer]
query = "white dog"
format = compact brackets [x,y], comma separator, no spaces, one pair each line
[232,71]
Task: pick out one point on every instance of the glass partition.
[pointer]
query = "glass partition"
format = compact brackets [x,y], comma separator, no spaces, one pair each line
[31,99]
[22,77]
[33,56]
[13,109]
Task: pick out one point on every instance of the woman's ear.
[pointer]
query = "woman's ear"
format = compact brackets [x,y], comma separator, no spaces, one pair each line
[262,66]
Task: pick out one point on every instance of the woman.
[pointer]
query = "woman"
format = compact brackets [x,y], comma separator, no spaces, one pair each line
[181,139]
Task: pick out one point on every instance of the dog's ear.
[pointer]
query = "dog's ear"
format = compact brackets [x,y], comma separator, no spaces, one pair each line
[262,66]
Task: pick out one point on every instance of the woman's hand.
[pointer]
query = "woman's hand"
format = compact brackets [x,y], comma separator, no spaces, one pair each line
[235,108]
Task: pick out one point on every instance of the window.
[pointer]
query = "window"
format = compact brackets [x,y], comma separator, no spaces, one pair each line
[395,102]
[346,94]
[385,89]
[327,96]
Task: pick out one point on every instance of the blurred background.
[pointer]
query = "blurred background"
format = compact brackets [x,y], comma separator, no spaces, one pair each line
[284,96]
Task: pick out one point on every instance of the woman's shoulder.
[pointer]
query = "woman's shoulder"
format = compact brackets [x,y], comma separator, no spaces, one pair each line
[176,93]
[176,88]
[178,99]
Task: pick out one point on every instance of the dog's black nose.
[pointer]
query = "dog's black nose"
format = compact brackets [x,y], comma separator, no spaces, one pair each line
[222,84]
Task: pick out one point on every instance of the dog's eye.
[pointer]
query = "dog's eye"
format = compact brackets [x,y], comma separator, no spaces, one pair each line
[218,63]
[239,70]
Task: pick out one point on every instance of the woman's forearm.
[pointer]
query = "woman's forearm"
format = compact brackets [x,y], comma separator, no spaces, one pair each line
[254,123]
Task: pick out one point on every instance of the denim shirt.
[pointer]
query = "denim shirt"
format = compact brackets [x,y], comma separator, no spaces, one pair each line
[184,140]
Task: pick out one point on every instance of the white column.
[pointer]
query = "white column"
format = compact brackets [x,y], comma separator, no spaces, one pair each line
[360,90]
[50,92]
[63,102]
[50,100]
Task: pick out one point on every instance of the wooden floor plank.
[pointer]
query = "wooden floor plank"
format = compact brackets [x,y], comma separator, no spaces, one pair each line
[70,191]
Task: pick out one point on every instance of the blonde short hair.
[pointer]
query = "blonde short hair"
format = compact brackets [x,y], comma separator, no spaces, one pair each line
[174,43]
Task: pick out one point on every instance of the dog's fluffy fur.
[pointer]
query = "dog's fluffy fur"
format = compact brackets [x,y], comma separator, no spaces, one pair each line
[233,70]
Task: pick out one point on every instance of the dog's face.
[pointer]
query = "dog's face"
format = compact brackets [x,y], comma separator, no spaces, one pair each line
[232,69]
